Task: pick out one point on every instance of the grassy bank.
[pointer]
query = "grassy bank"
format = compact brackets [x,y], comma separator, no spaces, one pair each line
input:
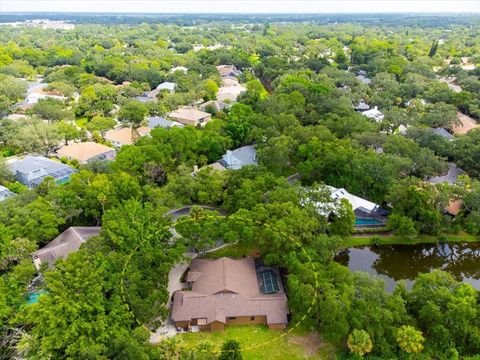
[260,343]
[358,240]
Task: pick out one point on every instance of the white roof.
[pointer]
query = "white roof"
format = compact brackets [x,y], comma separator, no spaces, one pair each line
[374,114]
[355,201]
[170,86]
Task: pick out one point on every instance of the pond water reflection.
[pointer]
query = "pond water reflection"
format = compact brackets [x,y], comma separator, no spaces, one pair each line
[396,262]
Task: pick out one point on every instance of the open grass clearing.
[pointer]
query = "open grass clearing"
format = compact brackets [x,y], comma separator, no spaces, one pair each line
[260,343]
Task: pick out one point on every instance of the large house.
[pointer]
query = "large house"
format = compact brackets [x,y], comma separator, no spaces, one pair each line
[366,212]
[228,71]
[123,136]
[466,123]
[240,157]
[160,122]
[188,116]
[32,170]
[230,292]
[5,193]
[35,92]
[374,114]
[66,243]
[86,152]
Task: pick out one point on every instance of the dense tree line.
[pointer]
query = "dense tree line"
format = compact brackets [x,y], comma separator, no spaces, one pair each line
[298,111]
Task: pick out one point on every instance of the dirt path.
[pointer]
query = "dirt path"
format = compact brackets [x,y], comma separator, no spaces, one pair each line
[311,343]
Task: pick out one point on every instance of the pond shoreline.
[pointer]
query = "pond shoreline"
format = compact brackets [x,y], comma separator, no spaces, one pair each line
[387,239]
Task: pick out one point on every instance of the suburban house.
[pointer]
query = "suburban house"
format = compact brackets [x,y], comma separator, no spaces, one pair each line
[35,92]
[86,152]
[228,70]
[214,166]
[362,106]
[178,68]
[32,170]
[170,86]
[188,116]
[466,124]
[366,212]
[217,106]
[66,243]
[364,79]
[123,136]
[228,291]
[443,133]
[5,193]
[157,121]
[374,114]
[236,159]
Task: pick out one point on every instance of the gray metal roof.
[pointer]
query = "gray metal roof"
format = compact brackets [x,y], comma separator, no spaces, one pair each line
[237,158]
[155,121]
[443,133]
[5,193]
[36,168]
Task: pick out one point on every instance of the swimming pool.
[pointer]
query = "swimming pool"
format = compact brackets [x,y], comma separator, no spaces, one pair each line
[33,297]
[367,222]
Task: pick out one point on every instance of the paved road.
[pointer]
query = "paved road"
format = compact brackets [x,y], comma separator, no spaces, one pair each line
[184,211]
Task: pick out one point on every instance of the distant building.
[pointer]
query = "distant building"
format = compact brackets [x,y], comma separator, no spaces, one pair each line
[66,243]
[170,86]
[443,133]
[365,80]
[466,124]
[32,170]
[5,193]
[188,116]
[156,121]
[123,136]
[361,106]
[217,106]
[178,68]
[230,292]
[374,114]
[214,166]
[228,71]
[240,157]
[366,212]
[35,92]
[86,152]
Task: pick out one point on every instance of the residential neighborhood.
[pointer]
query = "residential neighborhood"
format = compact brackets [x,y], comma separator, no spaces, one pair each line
[213,180]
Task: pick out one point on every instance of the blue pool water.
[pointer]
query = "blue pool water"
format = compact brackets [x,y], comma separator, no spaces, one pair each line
[33,297]
[367,222]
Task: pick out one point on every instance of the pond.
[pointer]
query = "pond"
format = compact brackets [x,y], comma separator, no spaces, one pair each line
[396,262]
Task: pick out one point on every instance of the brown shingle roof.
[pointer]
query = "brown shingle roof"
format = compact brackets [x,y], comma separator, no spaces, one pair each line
[189,116]
[123,136]
[226,288]
[67,242]
[467,124]
[83,151]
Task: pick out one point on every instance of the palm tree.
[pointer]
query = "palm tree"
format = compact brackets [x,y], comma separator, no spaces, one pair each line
[410,339]
[359,342]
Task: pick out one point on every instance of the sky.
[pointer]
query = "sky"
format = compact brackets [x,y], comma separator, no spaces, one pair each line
[241,6]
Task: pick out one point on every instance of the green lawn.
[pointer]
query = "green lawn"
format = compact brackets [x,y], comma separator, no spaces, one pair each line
[81,122]
[397,240]
[260,343]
